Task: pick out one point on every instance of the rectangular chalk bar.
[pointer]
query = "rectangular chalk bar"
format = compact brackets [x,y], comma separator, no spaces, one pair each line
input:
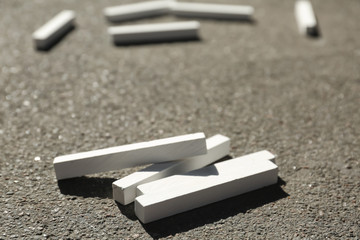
[162,150]
[137,10]
[124,189]
[218,11]
[153,187]
[180,193]
[155,32]
[49,33]
[306,18]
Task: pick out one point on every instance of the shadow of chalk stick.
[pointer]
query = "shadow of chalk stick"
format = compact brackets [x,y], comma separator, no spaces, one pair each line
[87,187]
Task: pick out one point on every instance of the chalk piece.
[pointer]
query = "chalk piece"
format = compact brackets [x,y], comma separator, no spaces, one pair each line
[217,11]
[153,187]
[180,193]
[306,19]
[163,150]
[137,10]
[54,29]
[124,189]
[155,32]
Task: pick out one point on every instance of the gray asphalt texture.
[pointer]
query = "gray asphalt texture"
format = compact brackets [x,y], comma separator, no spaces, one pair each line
[261,84]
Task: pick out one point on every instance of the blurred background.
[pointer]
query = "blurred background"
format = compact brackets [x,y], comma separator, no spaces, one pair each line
[260,83]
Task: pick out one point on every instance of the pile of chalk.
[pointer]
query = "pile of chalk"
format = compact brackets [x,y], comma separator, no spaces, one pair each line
[50,33]
[186,172]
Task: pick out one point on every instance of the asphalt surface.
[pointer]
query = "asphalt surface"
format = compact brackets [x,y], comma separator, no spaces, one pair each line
[261,84]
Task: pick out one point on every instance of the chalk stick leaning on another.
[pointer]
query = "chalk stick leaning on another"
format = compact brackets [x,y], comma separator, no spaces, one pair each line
[207,10]
[137,10]
[172,31]
[162,150]
[124,189]
[157,186]
[180,193]
[306,19]
[54,29]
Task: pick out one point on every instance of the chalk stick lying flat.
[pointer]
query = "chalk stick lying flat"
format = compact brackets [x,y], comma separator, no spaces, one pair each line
[306,18]
[155,32]
[167,149]
[53,30]
[163,185]
[205,10]
[180,193]
[124,189]
[137,10]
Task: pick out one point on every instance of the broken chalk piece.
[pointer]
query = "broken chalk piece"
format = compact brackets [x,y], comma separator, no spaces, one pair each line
[162,150]
[53,30]
[306,18]
[155,32]
[180,193]
[217,11]
[124,189]
[137,10]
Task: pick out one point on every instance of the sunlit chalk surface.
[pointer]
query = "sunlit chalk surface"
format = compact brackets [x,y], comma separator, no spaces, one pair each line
[208,10]
[305,18]
[124,189]
[180,193]
[143,33]
[162,150]
[54,29]
[137,10]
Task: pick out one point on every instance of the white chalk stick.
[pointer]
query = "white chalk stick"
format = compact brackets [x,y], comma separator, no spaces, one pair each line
[137,10]
[49,33]
[167,149]
[206,10]
[155,32]
[180,193]
[156,186]
[306,18]
[124,189]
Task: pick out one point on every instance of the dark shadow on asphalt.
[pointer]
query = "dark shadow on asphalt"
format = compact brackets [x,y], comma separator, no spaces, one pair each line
[214,212]
[127,211]
[314,33]
[87,187]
